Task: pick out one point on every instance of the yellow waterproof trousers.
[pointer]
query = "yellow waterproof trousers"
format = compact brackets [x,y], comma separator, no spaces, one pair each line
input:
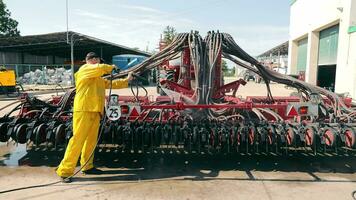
[85,135]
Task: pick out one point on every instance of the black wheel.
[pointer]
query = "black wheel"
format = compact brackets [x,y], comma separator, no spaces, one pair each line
[40,134]
[60,133]
[21,134]
[14,132]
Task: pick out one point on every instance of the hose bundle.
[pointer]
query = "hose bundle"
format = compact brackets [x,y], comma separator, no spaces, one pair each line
[205,56]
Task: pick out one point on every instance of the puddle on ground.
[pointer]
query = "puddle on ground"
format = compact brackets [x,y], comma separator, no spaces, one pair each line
[12,154]
[173,165]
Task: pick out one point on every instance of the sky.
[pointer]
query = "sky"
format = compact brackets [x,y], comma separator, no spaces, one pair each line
[256,25]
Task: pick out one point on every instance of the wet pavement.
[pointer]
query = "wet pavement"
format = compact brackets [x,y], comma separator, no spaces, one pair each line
[159,176]
[186,164]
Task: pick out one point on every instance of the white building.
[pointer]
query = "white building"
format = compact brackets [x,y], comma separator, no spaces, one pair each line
[323,43]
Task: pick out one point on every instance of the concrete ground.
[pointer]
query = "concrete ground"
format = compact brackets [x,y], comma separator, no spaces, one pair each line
[180,176]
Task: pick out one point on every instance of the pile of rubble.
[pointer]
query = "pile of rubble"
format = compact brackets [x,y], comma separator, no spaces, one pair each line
[47,76]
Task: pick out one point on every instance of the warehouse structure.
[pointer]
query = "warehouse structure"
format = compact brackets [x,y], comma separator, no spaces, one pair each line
[27,53]
[323,43]
[276,58]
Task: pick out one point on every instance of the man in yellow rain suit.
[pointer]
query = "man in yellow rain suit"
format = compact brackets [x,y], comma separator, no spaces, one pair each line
[87,110]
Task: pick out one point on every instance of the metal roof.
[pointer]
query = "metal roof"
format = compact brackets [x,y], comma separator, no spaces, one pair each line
[56,44]
[282,49]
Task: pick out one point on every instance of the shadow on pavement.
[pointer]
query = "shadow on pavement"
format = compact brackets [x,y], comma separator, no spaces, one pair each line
[145,167]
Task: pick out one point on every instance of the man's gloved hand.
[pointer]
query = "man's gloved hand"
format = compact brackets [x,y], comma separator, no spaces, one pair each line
[116,69]
[130,76]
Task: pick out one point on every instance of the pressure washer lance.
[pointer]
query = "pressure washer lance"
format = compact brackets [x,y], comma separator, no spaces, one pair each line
[104,120]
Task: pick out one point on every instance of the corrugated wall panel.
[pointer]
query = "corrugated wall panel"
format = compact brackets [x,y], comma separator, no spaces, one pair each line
[302,55]
[10,57]
[328,43]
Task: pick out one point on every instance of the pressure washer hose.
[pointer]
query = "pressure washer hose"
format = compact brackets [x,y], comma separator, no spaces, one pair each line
[11,104]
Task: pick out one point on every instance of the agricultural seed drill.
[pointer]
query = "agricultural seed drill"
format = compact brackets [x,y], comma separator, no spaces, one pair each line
[199,114]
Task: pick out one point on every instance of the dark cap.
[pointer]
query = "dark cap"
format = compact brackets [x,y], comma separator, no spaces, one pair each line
[92,55]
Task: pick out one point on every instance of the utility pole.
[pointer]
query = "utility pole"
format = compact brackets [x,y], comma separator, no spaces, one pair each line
[72,43]
[72,56]
[67,21]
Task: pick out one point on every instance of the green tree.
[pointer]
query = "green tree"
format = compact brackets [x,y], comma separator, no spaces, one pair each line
[8,26]
[168,34]
[232,71]
[224,67]
[226,70]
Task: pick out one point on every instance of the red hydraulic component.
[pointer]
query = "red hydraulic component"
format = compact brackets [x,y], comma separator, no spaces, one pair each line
[251,135]
[177,87]
[182,106]
[270,135]
[230,87]
[184,86]
[187,69]
[310,133]
[290,136]
[347,101]
[329,137]
[350,137]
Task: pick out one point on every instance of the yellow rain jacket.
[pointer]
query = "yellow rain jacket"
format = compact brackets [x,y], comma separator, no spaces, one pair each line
[88,104]
[90,87]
